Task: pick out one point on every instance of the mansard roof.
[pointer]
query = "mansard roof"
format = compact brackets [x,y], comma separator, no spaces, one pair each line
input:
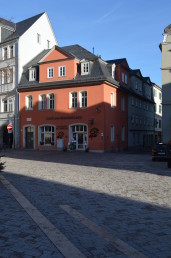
[79,52]
[22,27]
[135,72]
[117,61]
[147,80]
[99,69]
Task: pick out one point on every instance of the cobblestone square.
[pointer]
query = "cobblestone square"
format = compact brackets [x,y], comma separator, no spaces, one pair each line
[77,204]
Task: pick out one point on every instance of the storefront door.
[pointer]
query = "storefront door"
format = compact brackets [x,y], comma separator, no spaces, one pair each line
[78,136]
[29,137]
[80,141]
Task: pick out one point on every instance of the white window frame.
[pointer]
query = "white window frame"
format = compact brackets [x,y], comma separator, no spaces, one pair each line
[112,100]
[85,68]
[160,95]
[32,74]
[42,102]
[51,101]
[160,109]
[10,105]
[29,102]
[5,105]
[5,53]
[62,71]
[11,51]
[50,72]
[71,98]
[83,100]
[113,71]
[45,132]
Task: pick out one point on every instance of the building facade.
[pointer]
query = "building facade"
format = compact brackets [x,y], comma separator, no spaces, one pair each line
[140,111]
[165,48]
[73,102]
[157,93]
[19,43]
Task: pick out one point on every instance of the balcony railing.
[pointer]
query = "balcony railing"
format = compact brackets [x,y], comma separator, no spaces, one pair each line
[6,87]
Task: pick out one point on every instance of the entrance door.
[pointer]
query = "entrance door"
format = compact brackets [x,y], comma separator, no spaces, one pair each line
[80,141]
[78,136]
[29,137]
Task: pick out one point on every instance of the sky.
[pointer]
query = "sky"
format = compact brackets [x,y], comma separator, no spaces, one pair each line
[130,29]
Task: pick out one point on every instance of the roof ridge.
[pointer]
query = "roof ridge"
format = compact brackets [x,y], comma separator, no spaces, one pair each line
[37,15]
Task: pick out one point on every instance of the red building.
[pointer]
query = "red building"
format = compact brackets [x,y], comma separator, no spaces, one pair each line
[69,98]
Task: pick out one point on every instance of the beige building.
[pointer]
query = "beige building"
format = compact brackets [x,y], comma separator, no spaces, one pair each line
[165,48]
[157,94]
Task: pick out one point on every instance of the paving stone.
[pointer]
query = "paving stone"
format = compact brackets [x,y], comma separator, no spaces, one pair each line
[127,195]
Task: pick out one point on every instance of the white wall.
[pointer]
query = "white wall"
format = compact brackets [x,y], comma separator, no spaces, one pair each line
[28,45]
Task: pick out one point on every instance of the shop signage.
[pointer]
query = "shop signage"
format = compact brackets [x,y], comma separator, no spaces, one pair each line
[62,127]
[63,117]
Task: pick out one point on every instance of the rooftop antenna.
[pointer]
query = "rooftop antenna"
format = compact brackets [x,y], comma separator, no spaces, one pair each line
[93,50]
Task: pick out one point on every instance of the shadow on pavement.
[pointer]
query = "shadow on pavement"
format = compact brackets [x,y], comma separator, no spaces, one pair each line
[144,226]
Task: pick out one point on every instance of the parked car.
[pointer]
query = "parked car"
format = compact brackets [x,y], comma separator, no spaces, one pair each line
[159,152]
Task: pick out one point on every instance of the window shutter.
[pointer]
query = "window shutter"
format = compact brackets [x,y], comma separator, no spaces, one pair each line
[70,100]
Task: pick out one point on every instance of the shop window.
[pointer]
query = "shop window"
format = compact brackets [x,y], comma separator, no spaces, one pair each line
[47,135]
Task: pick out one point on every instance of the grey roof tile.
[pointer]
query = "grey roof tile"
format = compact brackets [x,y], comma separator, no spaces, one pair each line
[32,63]
[79,52]
[116,61]
[7,23]
[22,27]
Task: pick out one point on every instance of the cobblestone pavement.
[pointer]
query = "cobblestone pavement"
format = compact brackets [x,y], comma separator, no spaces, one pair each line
[106,205]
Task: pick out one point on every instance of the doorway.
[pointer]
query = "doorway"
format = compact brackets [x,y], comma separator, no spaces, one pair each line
[29,137]
[78,136]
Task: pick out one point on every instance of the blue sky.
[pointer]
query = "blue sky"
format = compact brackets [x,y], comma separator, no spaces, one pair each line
[115,28]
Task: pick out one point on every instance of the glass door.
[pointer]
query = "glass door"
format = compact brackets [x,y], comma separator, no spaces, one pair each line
[80,141]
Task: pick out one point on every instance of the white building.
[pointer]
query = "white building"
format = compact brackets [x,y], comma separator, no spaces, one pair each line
[19,43]
[157,94]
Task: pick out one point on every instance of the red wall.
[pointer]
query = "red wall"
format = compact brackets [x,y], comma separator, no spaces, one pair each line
[98,115]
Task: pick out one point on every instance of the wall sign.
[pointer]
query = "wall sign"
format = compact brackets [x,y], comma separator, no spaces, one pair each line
[63,117]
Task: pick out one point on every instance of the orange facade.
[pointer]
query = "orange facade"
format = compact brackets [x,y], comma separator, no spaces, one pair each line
[97,125]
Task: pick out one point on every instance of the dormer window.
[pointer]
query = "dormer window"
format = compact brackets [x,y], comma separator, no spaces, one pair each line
[85,69]
[113,71]
[32,74]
